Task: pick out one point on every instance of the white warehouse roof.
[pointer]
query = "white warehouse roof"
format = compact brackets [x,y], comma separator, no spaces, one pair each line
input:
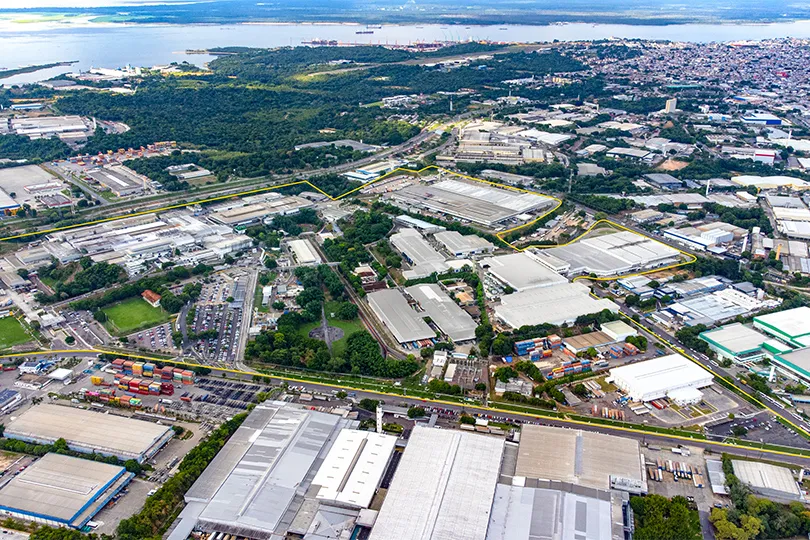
[354,467]
[521,271]
[560,303]
[443,488]
[657,378]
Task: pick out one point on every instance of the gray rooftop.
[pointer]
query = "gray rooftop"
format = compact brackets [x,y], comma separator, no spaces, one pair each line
[256,484]
[577,457]
[448,316]
[769,480]
[443,487]
[88,430]
[473,202]
[532,513]
[521,272]
[391,307]
[735,338]
[58,486]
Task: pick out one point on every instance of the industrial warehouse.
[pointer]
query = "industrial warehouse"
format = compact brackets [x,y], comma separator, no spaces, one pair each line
[90,432]
[558,304]
[476,203]
[453,321]
[253,209]
[521,271]
[424,260]
[611,254]
[407,326]
[134,243]
[443,487]
[791,326]
[62,491]
[121,181]
[736,342]
[292,471]
[671,376]
[288,470]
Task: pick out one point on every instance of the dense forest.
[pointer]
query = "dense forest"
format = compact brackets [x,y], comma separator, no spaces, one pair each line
[252,109]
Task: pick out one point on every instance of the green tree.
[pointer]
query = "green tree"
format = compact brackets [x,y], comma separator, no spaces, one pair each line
[416,412]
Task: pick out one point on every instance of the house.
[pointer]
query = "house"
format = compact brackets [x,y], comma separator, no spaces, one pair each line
[152,298]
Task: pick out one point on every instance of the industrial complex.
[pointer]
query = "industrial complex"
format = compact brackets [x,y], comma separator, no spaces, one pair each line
[671,376]
[62,491]
[90,432]
[474,203]
[262,484]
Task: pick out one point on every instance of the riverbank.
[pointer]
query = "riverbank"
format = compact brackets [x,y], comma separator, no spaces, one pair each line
[34,68]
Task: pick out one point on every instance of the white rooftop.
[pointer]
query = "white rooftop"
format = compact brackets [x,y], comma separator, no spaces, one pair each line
[354,466]
[443,488]
[521,271]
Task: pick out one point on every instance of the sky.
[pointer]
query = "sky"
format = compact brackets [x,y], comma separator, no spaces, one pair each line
[39,4]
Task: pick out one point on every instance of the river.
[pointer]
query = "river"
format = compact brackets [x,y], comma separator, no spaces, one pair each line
[116,45]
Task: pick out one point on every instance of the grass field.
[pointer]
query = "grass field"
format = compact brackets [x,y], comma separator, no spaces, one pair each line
[133,314]
[348,327]
[12,333]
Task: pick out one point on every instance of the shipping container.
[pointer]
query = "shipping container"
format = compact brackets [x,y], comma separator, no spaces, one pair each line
[167,389]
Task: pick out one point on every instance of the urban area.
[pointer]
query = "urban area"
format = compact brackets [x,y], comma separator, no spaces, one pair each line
[478,291]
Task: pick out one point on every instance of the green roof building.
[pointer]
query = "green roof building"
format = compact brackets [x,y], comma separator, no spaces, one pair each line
[791,326]
[736,342]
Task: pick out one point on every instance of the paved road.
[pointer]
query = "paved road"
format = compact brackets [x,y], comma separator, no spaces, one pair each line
[228,188]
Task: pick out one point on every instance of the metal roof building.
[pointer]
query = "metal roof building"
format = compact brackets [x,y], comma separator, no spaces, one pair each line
[474,202]
[737,342]
[443,488]
[769,480]
[256,485]
[614,254]
[62,491]
[582,458]
[391,307]
[90,431]
[424,260]
[464,245]
[445,313]
[668,376]
[557,304]
[791,325]
[797,363]
[354,467]
[521,271]
[303,252]
[521,512]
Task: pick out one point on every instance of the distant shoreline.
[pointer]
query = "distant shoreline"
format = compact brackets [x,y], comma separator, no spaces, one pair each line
[5,73]
[20,20]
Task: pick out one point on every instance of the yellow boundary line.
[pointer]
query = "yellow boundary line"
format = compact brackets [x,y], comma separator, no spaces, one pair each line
[690,260]
[528,414]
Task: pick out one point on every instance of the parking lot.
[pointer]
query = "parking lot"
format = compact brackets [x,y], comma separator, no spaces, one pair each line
[233,394]
[158,338]
[218,321]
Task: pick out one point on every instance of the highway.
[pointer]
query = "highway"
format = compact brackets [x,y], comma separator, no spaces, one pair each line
[491,411]
[187,198]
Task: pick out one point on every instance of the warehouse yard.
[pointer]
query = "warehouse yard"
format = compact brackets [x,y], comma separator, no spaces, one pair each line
[133,314]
